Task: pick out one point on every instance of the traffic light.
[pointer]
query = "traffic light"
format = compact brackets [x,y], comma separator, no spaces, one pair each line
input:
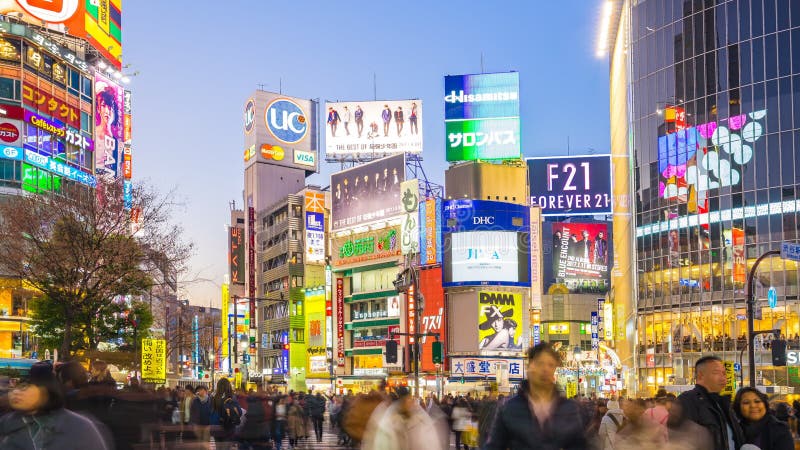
[286,347]
[391,352]
[199,372]
[778,352]
[436,350]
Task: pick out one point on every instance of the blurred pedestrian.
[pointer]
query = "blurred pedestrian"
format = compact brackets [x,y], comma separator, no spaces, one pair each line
[538,417]
[253,433]
[405,426]
[611,423]
[226,413]
[316,409]
[296,422]
[200,414]
[705,406]
[637,433]
[659,414]
[760,427]
[40,421]
[460,418]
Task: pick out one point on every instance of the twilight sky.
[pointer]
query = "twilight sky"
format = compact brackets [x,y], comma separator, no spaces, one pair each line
[198,62]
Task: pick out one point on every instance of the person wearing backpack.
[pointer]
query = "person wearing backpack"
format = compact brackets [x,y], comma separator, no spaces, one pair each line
[226,411]
[610,425]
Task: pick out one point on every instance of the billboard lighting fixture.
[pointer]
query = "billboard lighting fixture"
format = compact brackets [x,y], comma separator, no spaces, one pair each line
[602,41]
[102,65]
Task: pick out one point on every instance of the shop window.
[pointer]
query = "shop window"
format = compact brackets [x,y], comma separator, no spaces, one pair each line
[298,335]
[297,281]
[9,170]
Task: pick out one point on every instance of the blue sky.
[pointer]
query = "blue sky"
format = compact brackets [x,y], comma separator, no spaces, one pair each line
[199,61]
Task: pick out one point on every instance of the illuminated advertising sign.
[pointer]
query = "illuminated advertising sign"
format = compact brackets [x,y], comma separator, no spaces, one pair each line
[433,315]
[571,185]
[314,201]
[13,153]
[373,128]
[486,367]
[367,193]
[580,256]
[46,103]
[10,50]
[315,237]
[154,361]
[499,321]
[482,116]
[694,160]
[485,243]
[108,125]
[236,254]
[10,132]
[536,258]
[430,243]
[368,246]
[409,225]
[59,168]
[280,130]
[411,308]
[340,322]
[739,258]
[99,21]
[103,23]
[127,194]
[251,261]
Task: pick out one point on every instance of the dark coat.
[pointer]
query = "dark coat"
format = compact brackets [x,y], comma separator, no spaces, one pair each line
[61,429]
[200,412]
[769,434]
[698,405]
[315,405]
[516,427]
[255,425]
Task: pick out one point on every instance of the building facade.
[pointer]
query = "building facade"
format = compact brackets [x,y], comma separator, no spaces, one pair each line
[705,102]
[53,77]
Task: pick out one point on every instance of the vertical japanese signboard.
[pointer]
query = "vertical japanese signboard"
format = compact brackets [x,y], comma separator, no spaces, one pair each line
[236,254]
[251,259]
[409,228]
[340,322]
[154,361]
[739,259]
[411,302]
[595,336]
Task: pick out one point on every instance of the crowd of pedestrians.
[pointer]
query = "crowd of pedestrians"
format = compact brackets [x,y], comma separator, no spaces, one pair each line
[67,407]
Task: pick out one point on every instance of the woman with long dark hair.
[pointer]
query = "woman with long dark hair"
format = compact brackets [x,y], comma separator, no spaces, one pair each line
[761,428]
[226,411]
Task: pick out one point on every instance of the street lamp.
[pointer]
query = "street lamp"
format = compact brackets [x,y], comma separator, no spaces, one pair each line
[577,353]
[751,351]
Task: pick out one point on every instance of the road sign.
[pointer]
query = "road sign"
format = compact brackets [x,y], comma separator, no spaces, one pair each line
[737,367]
[772,297]
[790,251]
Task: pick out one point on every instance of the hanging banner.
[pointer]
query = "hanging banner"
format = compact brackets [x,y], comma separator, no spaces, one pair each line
[739,259]
[154,361]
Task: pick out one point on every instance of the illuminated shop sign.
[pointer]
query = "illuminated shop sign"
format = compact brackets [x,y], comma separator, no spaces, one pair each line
[362,315]
[7,152]
[486,367]
[45,102]
[58,130]
[367,247]
[574,185]
[47,163]
[305,158]
[9,132]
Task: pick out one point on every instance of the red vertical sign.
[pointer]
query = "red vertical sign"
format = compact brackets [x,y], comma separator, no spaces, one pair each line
[412,312]
[340,321]
[433,315]
[251,255]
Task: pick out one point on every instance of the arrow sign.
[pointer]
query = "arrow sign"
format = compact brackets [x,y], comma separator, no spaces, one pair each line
[790,251]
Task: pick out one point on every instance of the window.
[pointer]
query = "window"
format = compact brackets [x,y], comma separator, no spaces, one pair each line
[297,281]
[298,335]
[9,89]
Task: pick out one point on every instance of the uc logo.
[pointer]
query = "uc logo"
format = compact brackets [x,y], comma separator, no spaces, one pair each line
[249,115]
[286,121]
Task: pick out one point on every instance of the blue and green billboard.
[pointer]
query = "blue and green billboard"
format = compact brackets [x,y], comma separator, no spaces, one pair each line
[482,116]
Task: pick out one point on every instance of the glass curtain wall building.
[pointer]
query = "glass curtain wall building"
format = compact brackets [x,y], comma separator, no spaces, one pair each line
[713,102]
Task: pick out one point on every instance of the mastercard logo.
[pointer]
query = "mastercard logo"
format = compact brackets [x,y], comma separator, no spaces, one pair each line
[272,152]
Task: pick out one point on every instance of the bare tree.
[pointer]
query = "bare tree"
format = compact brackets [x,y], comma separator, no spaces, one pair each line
[82,249]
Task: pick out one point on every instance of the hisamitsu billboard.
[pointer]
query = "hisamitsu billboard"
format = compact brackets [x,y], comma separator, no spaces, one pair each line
[571,185]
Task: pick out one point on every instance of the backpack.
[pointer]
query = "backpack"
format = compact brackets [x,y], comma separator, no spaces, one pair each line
[231,414]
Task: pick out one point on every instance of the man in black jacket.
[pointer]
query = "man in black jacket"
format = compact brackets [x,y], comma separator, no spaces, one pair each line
[538,418]
[704,406]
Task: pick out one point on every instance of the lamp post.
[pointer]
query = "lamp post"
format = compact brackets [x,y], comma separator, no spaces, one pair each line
[751,351]
[577,353]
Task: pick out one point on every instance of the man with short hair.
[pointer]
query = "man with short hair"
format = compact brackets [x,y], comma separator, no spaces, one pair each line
[538,417]
[704,406]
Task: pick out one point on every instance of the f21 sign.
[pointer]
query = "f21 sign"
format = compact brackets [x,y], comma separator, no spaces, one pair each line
[571,185]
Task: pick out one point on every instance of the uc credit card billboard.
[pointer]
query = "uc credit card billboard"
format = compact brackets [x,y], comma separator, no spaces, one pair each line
[280,130]
[571,185]
[482,116]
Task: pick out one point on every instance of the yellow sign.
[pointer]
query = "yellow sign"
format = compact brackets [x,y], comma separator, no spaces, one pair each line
[730,375]
[558,328]
[154,361]
[500,321]
[572,389]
